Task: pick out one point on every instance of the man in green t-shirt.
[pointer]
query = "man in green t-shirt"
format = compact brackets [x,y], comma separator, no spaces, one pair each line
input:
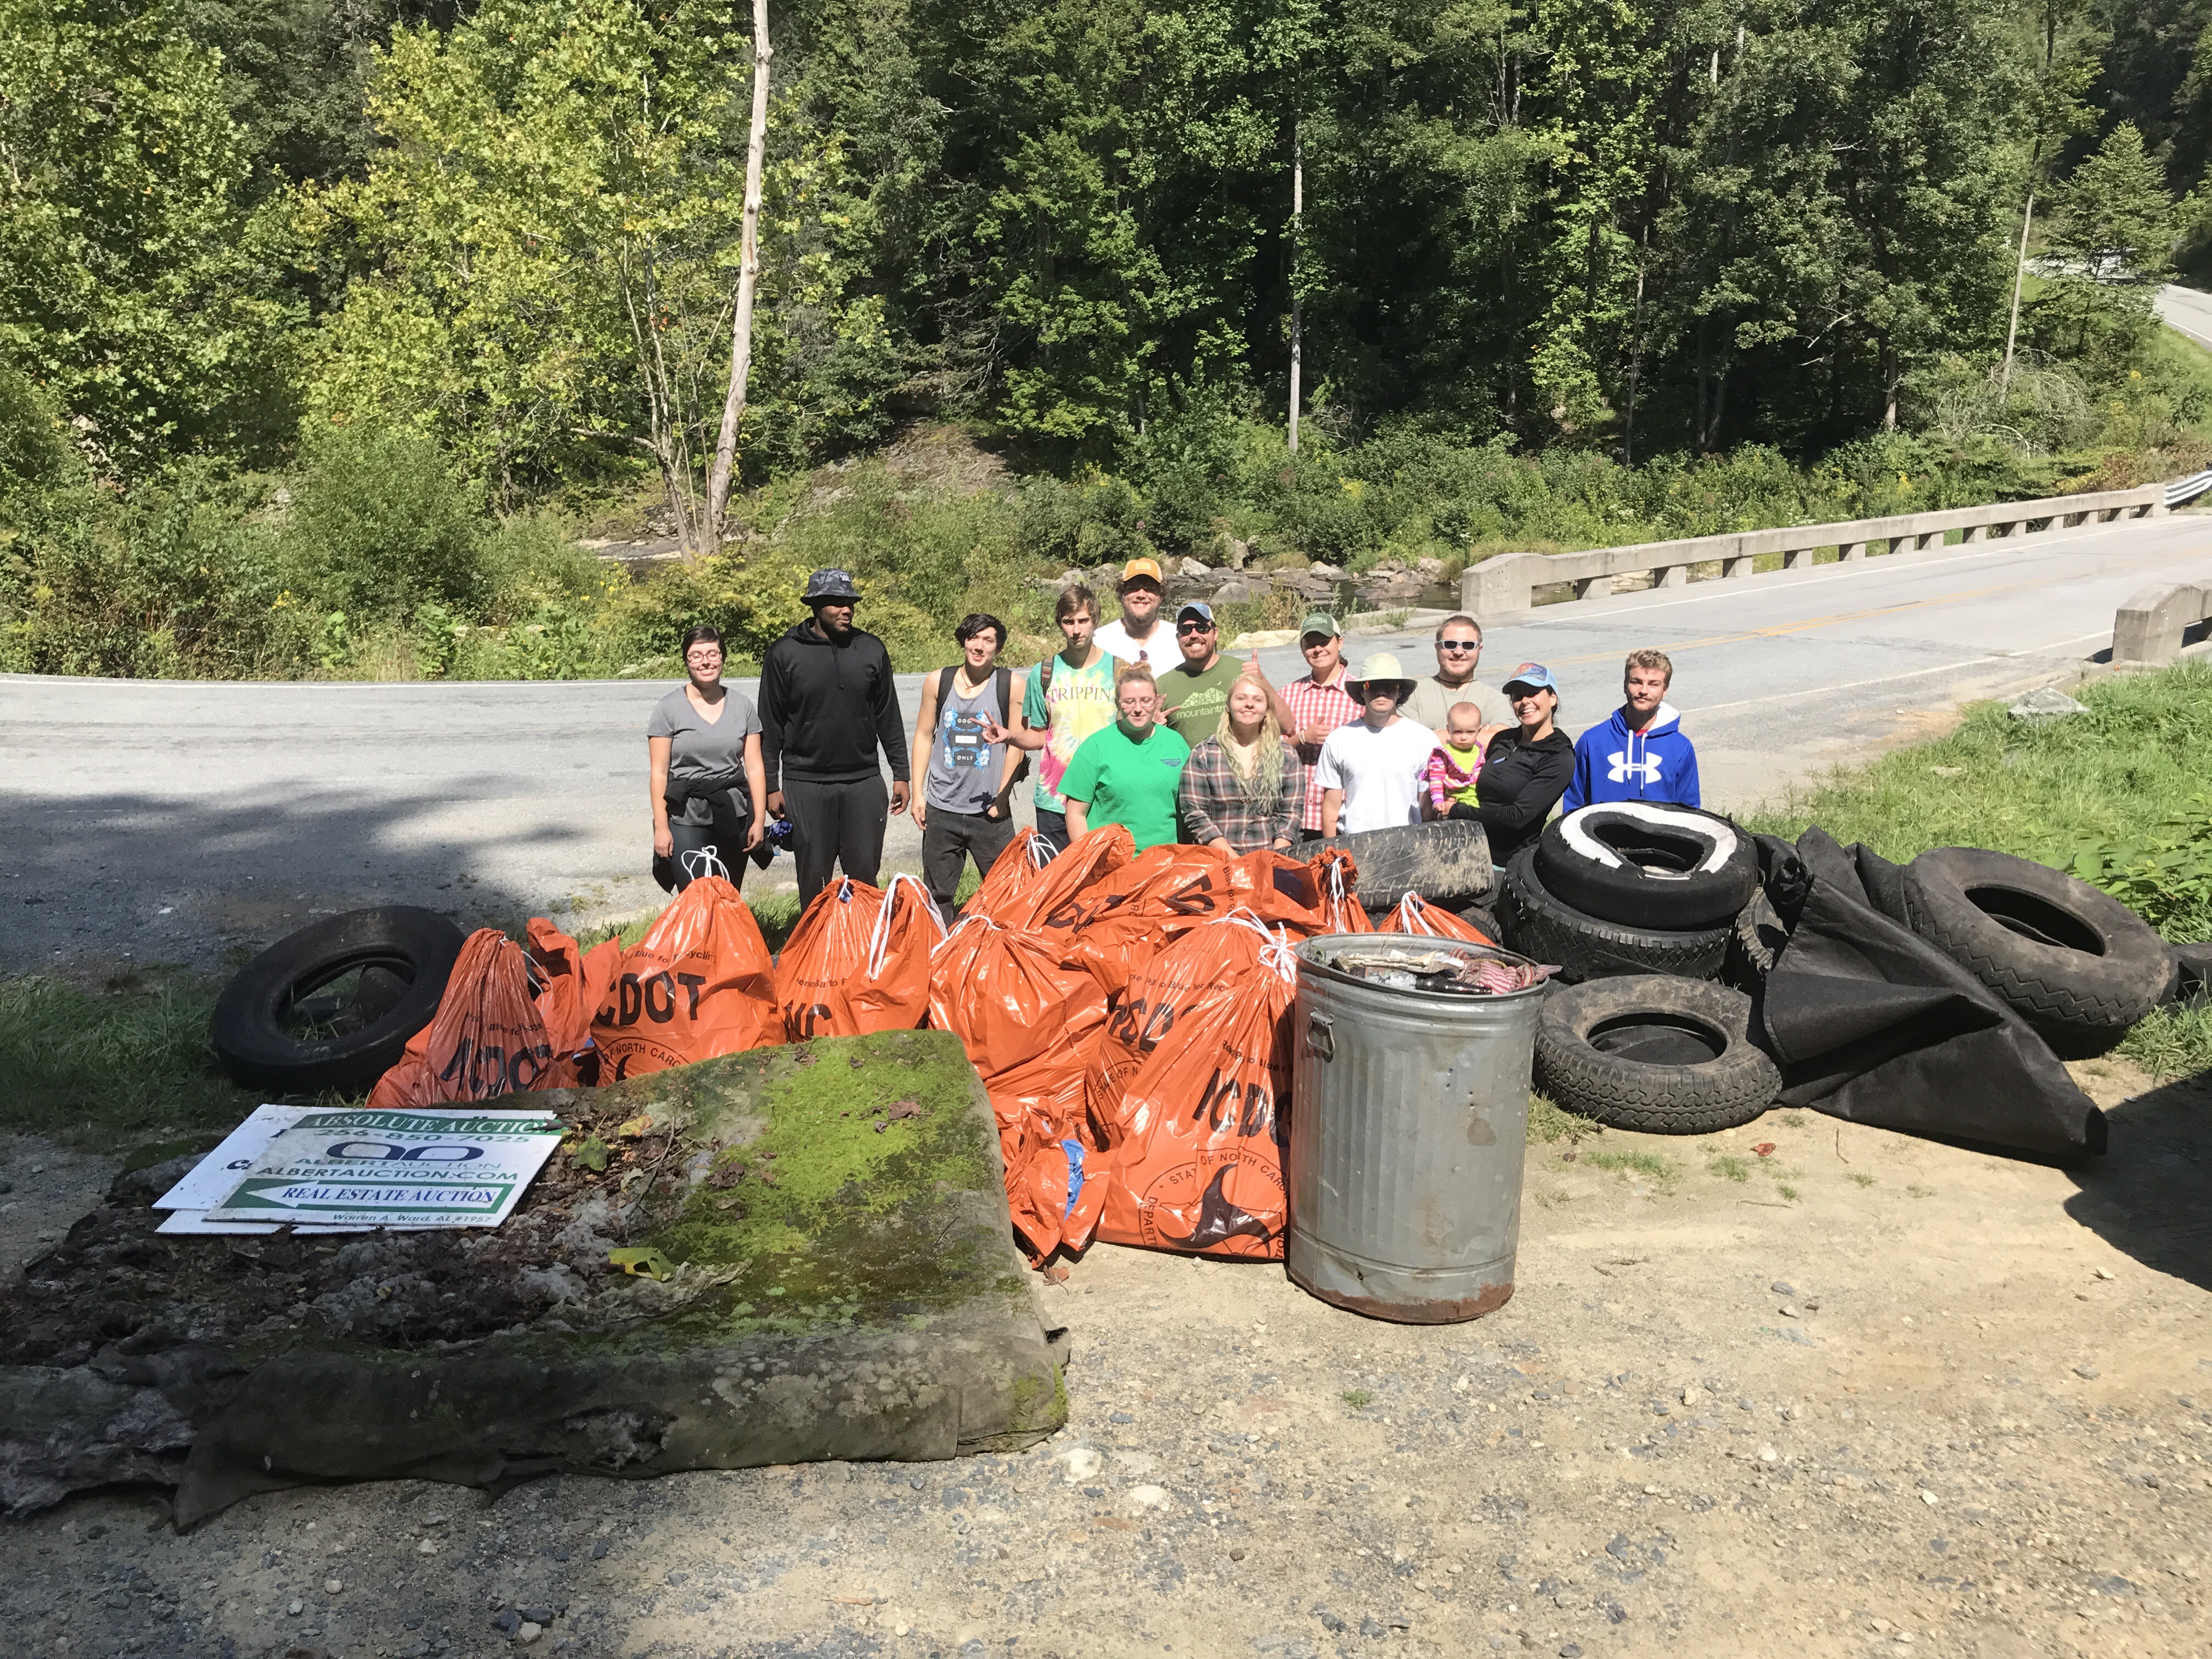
[1193,693]
[1126,773]
[1069,697]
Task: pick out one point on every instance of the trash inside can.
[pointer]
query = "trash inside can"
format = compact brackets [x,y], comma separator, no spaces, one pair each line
[1410,1123]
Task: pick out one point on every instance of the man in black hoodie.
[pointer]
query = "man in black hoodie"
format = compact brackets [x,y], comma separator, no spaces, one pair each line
[826,701]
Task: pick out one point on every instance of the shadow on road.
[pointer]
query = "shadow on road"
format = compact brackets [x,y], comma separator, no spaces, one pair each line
[196,882]
[2150,1195]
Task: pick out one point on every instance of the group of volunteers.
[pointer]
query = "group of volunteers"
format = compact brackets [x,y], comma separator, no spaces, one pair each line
[1141,722]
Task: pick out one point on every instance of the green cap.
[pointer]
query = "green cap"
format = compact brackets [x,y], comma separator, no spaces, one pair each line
[1320,621]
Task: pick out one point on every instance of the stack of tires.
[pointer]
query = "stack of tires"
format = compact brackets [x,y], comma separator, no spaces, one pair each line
[1639,903]
[1643,906]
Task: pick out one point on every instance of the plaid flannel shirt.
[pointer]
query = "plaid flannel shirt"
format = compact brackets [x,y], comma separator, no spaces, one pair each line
[1212,802]
[1318,705]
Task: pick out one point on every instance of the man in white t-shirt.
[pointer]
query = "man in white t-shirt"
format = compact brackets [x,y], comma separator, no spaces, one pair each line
[1138,635]
[1370,771]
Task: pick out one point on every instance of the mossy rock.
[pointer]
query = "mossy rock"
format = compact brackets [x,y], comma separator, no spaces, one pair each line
[819,1264]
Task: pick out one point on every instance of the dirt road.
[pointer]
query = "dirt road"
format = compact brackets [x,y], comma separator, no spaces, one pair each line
[1864,1395]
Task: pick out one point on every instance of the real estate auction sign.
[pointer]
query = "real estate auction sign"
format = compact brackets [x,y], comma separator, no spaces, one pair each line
[422,1169]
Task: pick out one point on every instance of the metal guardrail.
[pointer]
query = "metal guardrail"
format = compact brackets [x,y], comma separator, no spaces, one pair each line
[2188,489]
[1508,582]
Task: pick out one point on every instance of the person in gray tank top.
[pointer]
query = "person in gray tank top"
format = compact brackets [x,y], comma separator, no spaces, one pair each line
[964,806]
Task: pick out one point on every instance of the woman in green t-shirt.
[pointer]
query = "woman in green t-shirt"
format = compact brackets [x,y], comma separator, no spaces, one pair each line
[1126,773]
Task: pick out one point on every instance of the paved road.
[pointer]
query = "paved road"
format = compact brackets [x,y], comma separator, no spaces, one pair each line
[2188,311]
[170,820]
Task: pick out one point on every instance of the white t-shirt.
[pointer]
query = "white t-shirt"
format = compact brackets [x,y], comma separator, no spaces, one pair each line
[1159,651]
[1380,773]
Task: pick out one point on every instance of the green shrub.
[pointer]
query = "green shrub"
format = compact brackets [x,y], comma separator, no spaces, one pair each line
[377,524]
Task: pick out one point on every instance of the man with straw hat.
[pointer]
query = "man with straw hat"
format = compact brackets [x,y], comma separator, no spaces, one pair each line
[1370,771]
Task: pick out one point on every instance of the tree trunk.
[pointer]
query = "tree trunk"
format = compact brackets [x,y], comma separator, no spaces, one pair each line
[741,329]
[1298,218]
[2019,277]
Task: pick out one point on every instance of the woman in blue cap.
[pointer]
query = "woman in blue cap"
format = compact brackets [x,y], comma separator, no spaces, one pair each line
[1526,768]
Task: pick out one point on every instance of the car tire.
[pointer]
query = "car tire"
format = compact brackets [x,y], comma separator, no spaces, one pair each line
[1649,863]
[1540,925]
[2073,961]
[1653,1053]
[1755,939]
[289,1023]
[1446,862]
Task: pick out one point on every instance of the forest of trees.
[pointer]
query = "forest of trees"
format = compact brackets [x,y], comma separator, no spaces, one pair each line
[338,300]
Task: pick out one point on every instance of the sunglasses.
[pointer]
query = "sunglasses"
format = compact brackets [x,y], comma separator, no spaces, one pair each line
[1459,645]
[1193,628]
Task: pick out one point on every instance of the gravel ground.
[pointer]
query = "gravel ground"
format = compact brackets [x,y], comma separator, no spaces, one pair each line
[1876,1394]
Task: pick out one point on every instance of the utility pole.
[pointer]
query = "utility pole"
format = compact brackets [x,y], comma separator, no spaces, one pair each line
[2019,275]
[1297,218]
[741,329]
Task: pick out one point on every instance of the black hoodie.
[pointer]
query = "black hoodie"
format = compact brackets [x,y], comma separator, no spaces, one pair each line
[825,705]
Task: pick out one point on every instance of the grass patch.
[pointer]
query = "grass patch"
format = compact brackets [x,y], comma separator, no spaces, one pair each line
[1919,1191]
[1549,1122]
[1358,1399]
[2171,1042]
[1862,1180]
[1729,1167]
[1650,1165]
[1786,1190]
[109,1068]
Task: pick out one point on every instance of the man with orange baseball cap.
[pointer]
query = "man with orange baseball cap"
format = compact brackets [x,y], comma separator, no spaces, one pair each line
[1138,635]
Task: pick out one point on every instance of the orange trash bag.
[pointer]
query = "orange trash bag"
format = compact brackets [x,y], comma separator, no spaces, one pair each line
[488,1037]
[1039,1107]
[1012,875]
[573,983]
[1336,873]
[859,960]
[1415,915]
[1195,1160]
[1117,924]
[1007,998]
[1057,896]
[698,984]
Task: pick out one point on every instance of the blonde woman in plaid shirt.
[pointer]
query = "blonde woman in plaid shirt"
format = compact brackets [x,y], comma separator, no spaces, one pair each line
[1245,784]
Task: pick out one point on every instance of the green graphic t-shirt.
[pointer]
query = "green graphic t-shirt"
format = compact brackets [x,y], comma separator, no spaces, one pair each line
[1080,702]
[1130,783]
[1197,699]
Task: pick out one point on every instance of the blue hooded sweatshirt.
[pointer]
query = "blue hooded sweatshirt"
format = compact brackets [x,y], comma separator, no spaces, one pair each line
[1614,763]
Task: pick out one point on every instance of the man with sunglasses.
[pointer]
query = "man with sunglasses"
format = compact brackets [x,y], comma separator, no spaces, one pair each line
[1459,649]
[1195,692]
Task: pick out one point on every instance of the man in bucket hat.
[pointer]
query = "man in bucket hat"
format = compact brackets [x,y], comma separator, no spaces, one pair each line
[827,704]
[1370,771]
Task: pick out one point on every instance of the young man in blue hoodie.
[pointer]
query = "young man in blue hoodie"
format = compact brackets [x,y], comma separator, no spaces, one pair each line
[1640,753]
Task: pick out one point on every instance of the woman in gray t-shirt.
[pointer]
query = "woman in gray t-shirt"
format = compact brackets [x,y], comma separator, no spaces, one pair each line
[710,787]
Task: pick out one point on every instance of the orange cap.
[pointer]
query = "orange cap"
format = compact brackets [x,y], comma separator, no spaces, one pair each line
[1136,568]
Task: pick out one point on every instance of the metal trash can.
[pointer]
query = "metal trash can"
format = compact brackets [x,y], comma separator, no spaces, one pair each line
[1409,1124]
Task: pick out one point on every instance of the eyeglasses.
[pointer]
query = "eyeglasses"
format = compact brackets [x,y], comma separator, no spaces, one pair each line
[1459,645]
[1182,628]
[703,656]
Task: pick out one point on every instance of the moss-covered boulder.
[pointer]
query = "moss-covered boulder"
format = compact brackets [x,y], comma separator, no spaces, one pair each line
[797,1253]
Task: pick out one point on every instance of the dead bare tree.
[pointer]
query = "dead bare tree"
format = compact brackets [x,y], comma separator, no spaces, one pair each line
[741,326]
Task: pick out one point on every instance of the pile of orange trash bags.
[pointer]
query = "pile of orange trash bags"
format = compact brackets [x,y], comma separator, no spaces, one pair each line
[1129,1015]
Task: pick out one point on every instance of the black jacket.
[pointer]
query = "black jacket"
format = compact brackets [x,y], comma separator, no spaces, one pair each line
[825,708]
[1519,784]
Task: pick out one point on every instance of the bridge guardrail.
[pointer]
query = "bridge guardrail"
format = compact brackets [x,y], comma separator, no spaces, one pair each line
[1508,582]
